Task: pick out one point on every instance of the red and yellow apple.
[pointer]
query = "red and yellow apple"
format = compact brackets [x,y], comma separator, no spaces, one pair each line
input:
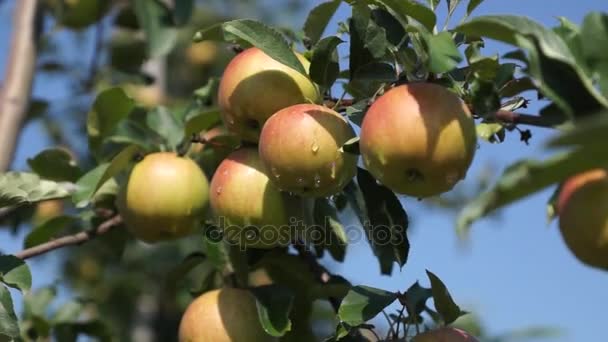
[254,86]
[223,315]
[582,207]
[300,147]
[251,211]
[446,334]
[418,139]
[165,197]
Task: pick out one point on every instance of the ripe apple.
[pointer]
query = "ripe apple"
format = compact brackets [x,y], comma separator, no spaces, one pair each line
[165,197]
[222,315]
[300,147]
[582,207]
[418,139]
[148,96]
[249,208]
[446,334]
[254,86]
[202,53]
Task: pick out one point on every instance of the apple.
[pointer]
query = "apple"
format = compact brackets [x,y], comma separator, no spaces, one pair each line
[202,53]
[148,96]
[254,86]
[446,334]
[47,210]
[251,211]
[300,147]
[582,207]
[222,315]
[418,139]
[165,197]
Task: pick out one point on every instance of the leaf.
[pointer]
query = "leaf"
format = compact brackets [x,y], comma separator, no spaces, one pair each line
[363,303]
[594,36]
[156,20]
[23,187]
[493,132]
[55,164]
[527,177]
[591,131]
[71,331]
[15,273]
[68,312]
[444,303]
[202,122]
[37,303]
[327,216]
[551,63]
[162,121]
[386,227]
[393,29]
[412,9]
[183,11]
[110,107]
[415,298]
[86,186]
[183,268]
[324,66]
[452,5]
[359,55]
[120,162]
[265,38]
[443,53]
[370,77]
[351,146]
[214,247]
[9,325]
[47,231]
[473,4]
[274,304]
[318,19]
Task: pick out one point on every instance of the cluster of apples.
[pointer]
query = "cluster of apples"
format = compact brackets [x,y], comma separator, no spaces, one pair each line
[417,139]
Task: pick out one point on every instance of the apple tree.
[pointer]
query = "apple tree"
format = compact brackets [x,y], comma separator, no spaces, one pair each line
[206,162]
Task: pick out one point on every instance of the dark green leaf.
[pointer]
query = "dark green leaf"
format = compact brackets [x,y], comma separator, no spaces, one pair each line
[265,38]
[473,4]
[394,30]
[527,177]
[359,55]
[71,331]
[412,9]
[157,21]
[327,216]
[357,111]
[594,36]
[443,53]
[202,122]
[15,273]
[9,325]
[368,79]
[318,18]
[484,97]
[183,11]
[55,164]
[415,298]
[183,268]
[214,247]
[375,40]
[452,5]
[110,107]
[324,66]
[162,121]
[363,303]
[47,231]
[23,187]
[444,303]
[551,62]
[274,304]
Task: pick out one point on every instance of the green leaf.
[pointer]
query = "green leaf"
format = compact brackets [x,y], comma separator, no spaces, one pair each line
[23,187]
[351,146]
[15,273]
[156,20]
[93,328]
[493,132]
[415,298]
[202,122]
[408,8]
[68,312]
[594,36]
[473,4]
[37,303]
[433,4]
[110,107]
[214,247]
[9,325]
[591,131]
[162,121]
[443,53]
[274,304]
[324,66]
[359,55]
[55,164]
[386,224]
[444,303]
[86,186]
[183,268]
[120,162]
[318,18]
[452,5]
[47,231]
[551,62]
[527,177]
[394,31]
[363,303]
[183,11]
[327,216]
[367,80]
[265,38]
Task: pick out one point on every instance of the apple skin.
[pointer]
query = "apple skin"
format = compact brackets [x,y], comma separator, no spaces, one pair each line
[418,139]
[164,198]
[254,86]
[242,197]
[446,334]
[47,210]
[300,147]
[582,207]
[222,315]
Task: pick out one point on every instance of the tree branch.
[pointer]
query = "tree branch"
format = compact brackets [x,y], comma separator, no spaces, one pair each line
[70,240]
[15,94]
[520,118]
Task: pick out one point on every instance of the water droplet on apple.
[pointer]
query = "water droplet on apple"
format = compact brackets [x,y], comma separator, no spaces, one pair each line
[300,180]
[218,190]
[275,173]
[317,180]
[378,182]
[314,148]
[225,173]
[333,170]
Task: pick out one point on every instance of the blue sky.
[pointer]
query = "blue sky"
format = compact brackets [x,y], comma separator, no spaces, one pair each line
[515,271]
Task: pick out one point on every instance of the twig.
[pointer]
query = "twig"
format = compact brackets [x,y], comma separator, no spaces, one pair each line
[520,118]
[15,94]
[70,240]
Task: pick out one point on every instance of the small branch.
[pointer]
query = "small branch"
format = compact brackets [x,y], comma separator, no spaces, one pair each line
[520,118]
[70,240]
[21,63]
